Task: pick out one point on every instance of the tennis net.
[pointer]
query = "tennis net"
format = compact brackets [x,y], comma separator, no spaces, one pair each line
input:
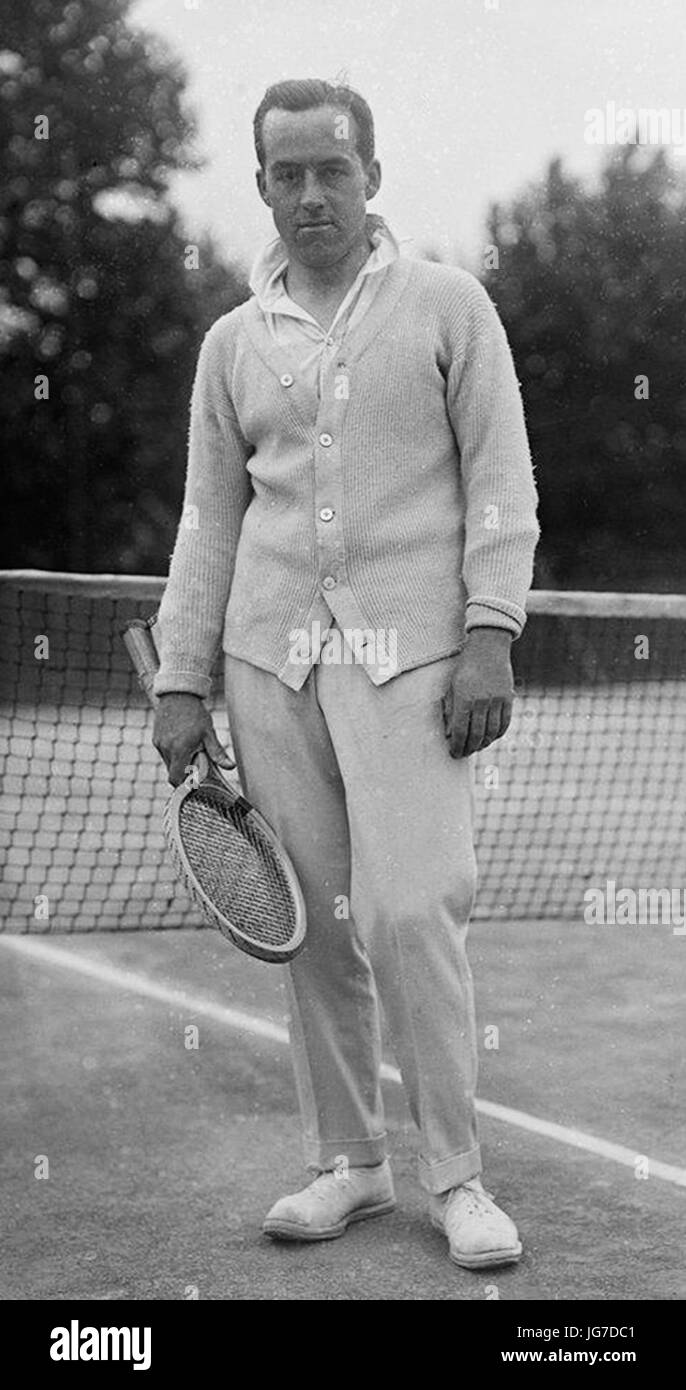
[587,786]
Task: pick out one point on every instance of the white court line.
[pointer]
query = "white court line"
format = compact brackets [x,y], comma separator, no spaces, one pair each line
[273,1032]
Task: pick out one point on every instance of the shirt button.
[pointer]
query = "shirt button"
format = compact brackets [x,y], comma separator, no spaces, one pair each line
[329,582]
[286,379]
[326,440]
[327,513]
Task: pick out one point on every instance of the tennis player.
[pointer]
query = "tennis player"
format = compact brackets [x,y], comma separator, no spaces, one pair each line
[358,529]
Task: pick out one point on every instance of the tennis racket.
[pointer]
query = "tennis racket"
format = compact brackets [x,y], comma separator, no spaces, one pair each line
[225,853]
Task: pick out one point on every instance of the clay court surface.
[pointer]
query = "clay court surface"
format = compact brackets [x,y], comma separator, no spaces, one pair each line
[163,1160]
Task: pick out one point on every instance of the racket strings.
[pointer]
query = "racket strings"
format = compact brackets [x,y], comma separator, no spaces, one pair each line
[236,867]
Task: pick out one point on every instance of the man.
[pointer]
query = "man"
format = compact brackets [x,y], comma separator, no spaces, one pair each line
[362,527]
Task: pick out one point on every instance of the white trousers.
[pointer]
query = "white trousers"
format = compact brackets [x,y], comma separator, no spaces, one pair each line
[377,817]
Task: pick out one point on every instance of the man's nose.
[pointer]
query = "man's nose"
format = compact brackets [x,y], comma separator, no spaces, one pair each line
[311,195]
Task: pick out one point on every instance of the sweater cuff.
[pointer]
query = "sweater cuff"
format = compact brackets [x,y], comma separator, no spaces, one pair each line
[494,612]
[182,683]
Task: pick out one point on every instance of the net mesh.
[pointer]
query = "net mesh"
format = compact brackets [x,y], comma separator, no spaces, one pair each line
[235,867]
[586,787]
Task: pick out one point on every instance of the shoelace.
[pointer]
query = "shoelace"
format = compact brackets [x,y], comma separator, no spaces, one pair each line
[475,1202]
[324,1185]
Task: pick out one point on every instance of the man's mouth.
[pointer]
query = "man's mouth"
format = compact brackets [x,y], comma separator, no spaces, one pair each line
[313,226]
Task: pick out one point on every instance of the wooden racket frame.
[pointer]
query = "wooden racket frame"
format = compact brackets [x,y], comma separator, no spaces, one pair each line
[139,639]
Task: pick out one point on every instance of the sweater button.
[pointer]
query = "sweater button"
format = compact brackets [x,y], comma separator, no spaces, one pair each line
[286,379]
[329,582]
[325,440]
[327,513]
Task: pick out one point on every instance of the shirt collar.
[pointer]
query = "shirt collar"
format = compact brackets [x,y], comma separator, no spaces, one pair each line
[266,275]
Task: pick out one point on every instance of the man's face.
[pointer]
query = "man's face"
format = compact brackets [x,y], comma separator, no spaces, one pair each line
[315,183]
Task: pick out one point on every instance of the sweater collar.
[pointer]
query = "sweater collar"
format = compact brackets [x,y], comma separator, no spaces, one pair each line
[358,340]
[266,275]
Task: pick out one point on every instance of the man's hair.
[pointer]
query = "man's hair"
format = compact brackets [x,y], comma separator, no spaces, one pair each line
[301,94]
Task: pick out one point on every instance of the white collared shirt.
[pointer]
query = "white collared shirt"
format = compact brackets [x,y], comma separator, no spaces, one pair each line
[310,346]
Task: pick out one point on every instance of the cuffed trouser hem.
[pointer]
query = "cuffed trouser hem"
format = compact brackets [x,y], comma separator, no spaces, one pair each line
[449,1172]
[357,1153]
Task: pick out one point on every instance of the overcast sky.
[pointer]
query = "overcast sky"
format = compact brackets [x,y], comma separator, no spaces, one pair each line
[469,101]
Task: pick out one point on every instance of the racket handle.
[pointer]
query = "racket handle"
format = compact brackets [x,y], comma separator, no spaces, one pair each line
[140,645]
[139,639]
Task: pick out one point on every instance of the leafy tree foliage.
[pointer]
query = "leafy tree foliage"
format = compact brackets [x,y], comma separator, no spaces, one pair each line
[591,285]
[100,292]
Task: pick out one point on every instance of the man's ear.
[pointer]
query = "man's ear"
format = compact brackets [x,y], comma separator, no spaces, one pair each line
[262,186]
[372,179]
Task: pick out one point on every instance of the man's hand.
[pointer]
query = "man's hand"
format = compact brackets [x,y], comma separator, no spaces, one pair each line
[182,727]
[477,706]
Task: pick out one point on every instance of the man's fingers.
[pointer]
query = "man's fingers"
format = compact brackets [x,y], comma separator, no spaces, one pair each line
[181,763]
[493,723]
[473,724]
[218,754]
[447,709]
[459,727]
[177,770]
[477,727]
[505,717]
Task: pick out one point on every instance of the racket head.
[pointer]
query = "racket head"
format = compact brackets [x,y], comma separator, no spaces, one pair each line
[234,866]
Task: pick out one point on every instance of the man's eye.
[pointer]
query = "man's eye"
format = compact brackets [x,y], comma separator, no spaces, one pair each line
[329,174]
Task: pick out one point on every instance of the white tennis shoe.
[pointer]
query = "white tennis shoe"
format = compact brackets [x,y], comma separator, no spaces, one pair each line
[479,1233]
[328,1205]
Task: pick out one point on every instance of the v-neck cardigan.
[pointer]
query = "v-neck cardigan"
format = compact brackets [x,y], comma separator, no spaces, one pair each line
[402,501]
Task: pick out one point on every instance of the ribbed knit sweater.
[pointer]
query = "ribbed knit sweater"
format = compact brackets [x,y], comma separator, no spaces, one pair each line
[401,500]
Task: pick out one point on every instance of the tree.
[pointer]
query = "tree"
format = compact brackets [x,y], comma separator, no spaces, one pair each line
[591,286]
[103,301]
